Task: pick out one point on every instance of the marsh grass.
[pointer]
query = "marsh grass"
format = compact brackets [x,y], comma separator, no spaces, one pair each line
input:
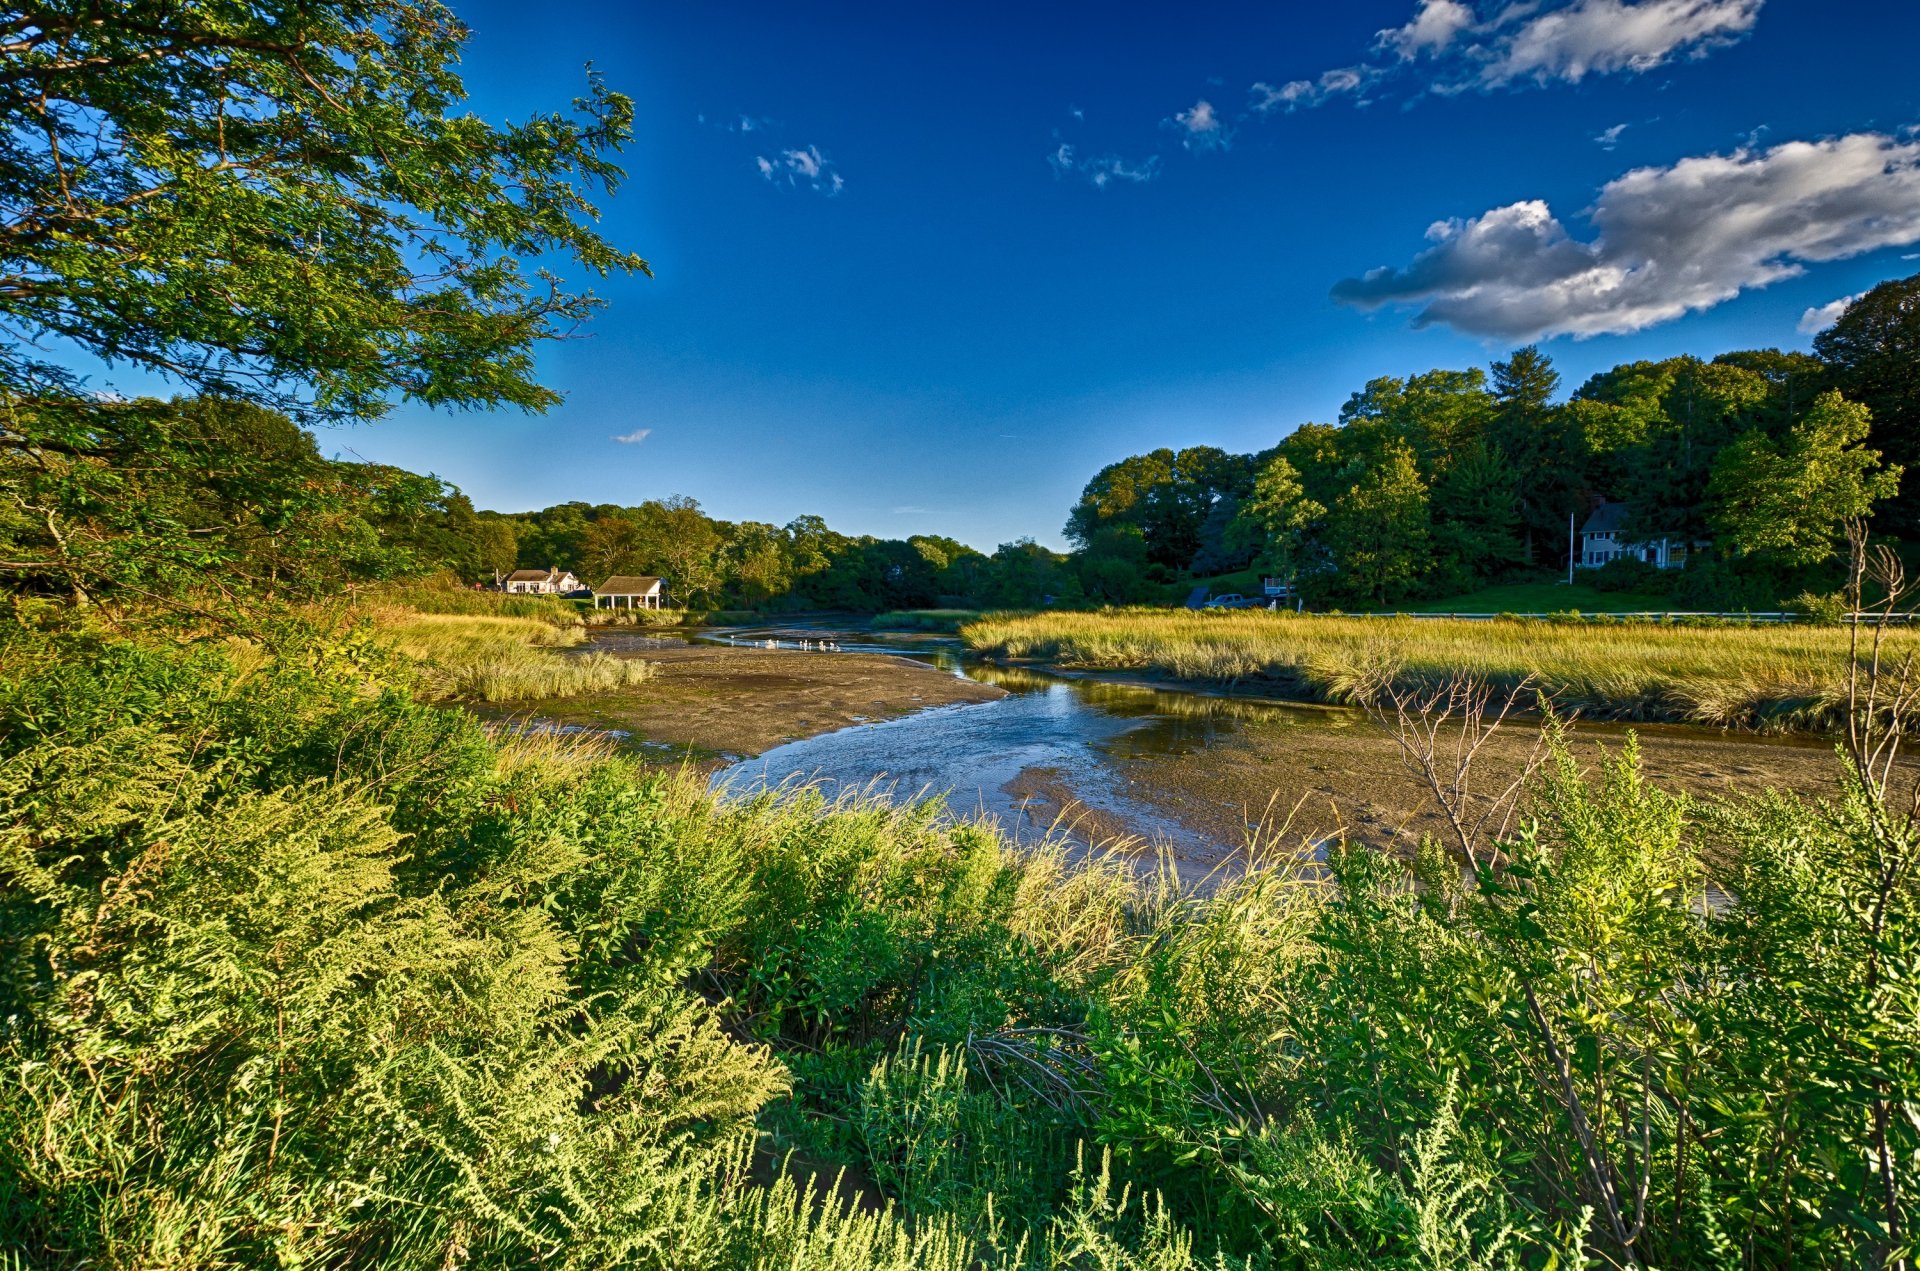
[503,659]
[1768,678]
[445,597]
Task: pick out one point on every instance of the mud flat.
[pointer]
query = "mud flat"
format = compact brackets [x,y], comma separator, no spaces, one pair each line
[1335,773]
[712,703]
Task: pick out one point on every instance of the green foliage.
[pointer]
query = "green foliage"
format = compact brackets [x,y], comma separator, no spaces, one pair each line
[1791,500]
[298,970]
[1872,353]
[1274,519]
[1627,574]
[305,162]
[1378,531]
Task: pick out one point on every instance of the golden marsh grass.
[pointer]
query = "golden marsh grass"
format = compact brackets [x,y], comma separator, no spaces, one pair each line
[1761,677]
[503,659]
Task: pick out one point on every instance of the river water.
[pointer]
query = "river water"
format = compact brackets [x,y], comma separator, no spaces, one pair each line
[1193,773]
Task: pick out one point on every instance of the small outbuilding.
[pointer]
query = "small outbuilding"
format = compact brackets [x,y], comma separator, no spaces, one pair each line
[629,591]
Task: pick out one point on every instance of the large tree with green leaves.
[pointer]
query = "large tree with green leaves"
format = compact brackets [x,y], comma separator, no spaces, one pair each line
[280,203]
[285,201]
[1377,533]
[1873,352]
[1790,499]
[1274,520]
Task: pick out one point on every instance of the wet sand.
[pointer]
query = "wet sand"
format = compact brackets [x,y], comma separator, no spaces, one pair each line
[1344,775]
[715,703]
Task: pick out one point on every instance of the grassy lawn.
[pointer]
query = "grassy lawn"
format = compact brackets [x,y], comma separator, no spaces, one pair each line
[1768,677]
[1543,597]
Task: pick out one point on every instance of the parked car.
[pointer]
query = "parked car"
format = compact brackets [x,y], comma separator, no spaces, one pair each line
[1232,600]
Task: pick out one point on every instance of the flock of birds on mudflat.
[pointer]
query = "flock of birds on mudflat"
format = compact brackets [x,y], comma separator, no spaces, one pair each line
[812,646]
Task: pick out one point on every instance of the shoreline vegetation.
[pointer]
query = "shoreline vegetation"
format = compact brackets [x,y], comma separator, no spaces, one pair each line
[502,658]
[1772,678]
[581,1009]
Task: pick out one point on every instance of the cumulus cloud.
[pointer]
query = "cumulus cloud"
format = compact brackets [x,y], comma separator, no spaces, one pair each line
[1460,47]
[1105,170]
[1433,28]
[1823,316]
[806,168]
[1665,241]
[1201,128]
[635,437]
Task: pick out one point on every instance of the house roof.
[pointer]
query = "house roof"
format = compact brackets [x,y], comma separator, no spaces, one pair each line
[1606,519]
[531,575]
[629,585]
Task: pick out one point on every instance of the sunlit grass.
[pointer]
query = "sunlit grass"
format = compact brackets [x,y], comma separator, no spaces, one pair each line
[1769,677]
[503,659]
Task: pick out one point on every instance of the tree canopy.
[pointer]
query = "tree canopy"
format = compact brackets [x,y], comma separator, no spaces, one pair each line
[283,202]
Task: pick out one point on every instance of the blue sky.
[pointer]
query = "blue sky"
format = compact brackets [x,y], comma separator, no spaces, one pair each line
[886,294]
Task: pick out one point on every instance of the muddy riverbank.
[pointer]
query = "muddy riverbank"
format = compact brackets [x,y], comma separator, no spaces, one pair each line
[714,703]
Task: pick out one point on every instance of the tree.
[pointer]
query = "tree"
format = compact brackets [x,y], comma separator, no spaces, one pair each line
[1377,533]
[1167,495]
[755,562]
[166,500]
[1476,518]
[681,546]
[277,202]
[1274,520]
[612,544]
[1874,354]
[1791,499]
[1522,427]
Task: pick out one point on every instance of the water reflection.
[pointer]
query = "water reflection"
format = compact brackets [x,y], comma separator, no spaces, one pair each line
[1052,741]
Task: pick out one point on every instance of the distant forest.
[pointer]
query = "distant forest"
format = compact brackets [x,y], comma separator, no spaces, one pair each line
[1427,486]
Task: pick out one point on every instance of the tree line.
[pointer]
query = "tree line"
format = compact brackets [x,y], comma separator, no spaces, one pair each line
[1437,483]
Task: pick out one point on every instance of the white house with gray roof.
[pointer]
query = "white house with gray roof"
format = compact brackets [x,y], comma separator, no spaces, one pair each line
[1603,540]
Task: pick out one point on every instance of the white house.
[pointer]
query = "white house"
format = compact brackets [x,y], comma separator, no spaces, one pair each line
[542,582]
[1602,540]
[638,591]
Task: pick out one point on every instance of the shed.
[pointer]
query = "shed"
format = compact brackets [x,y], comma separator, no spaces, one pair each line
[639,591]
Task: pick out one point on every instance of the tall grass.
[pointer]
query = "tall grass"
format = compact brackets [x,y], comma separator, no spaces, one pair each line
[1760,677]
[448,597]
[504,659]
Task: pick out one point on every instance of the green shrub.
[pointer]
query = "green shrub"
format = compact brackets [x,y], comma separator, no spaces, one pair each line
[1629,575]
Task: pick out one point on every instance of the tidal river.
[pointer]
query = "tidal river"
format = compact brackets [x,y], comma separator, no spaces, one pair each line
[1199,775]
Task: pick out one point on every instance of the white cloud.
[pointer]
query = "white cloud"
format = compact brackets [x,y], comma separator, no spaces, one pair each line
[801,168]
[1523,42]
[1820,318]
[1311,92]
[1105,170]
[634,438]
[1608,138]
[1201,127]
[1430,32]
[910,511]
[1597,37]
[1667,241]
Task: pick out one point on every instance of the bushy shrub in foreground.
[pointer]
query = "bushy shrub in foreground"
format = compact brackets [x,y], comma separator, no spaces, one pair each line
[298,971]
